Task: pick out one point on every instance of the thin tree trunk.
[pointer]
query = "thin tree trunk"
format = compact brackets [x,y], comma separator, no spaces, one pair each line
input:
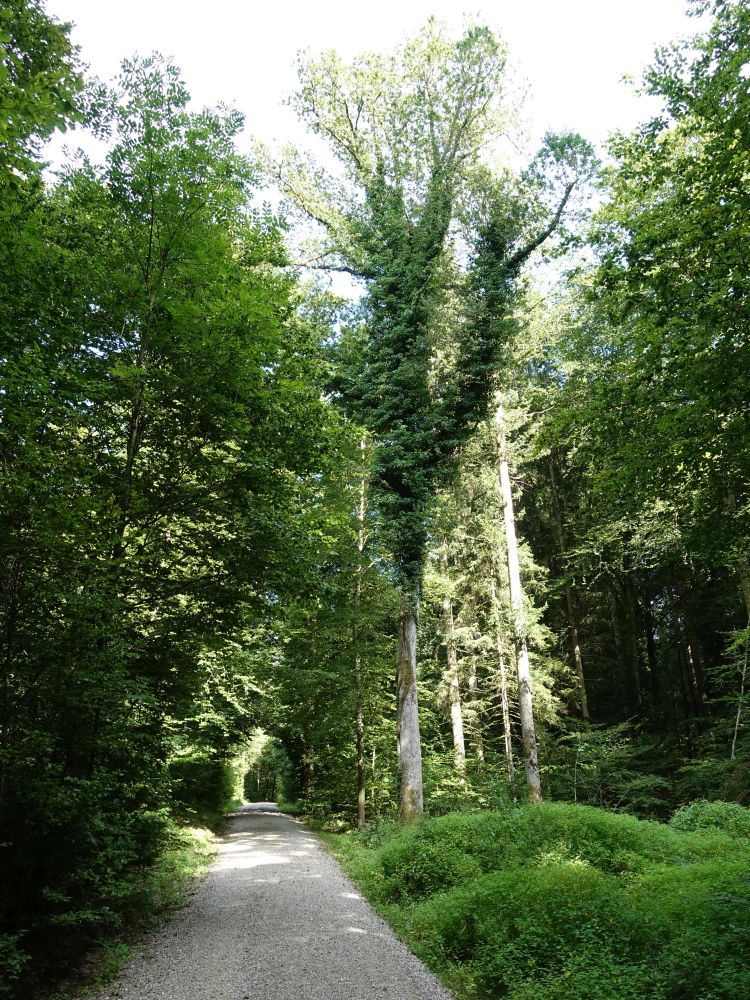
[625,659]
[577,657]
[507,739]
[744,575]
[569,601]
[634,654]
[361,510]
[648,628]
[741,699]
[477,727]
[411,801]
[694,653]
[457,721]
[361,790]
[525,697]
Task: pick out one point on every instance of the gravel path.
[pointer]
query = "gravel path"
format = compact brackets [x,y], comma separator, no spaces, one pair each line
[275,919]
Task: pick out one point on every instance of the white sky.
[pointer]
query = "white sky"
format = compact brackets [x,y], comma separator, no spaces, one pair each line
[573,52]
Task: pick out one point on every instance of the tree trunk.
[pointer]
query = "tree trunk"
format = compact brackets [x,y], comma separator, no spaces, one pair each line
[569,601]
[743,572]
[577,658]
[653,666]
[361,510]
[457,721]
[361,790]
[507,739]
[525,697]
[411,802]
[741,696]
[476,732]
[634,652]
[693,652]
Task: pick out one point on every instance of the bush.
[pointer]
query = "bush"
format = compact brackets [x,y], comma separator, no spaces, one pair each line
[202,788]
[564,901]
[12,961]
[729,817]
[453,849]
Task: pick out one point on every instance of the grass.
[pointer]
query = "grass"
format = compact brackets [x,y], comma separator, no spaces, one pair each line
[564,902]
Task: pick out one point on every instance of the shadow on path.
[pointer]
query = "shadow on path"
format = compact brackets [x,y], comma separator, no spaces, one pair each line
[275,919]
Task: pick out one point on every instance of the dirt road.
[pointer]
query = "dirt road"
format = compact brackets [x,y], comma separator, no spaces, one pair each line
[275,919]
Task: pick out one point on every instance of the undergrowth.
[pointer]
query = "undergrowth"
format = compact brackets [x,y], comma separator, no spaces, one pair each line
[564,902]
[151,895]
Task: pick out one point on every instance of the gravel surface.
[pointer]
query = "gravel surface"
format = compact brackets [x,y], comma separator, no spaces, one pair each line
[275,919]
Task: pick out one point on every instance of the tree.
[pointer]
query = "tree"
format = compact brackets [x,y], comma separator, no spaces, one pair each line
[161,423]
[40,82]
[408,131]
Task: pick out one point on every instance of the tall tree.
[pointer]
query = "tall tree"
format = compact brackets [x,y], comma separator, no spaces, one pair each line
[408,131]
[159,422]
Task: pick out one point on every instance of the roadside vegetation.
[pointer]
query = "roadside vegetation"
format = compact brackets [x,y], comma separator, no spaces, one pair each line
[565,901]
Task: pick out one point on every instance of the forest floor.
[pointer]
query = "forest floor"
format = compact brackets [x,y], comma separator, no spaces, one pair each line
[275,919]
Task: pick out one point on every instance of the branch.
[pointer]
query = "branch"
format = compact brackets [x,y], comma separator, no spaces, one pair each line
[314,265]
[524,253]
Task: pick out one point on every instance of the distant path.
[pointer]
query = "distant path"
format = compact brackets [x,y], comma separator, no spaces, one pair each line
[275,919]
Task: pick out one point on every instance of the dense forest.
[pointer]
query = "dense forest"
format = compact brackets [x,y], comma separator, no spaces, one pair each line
[473,536]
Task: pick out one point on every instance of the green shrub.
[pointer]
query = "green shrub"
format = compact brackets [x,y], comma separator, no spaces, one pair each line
[674,933]
[564,902]
[453,849]
[694,930]
[202,788]
[437,854]
[12,961]
[729,817]
[526,919]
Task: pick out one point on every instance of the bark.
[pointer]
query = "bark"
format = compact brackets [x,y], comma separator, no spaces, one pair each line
[653,667]
[569,600]
[624,649]
[634,654]
[507,738]
[577,657]
[477,726]
[361,789]
[744,575]
[361,510]
[411,802]
[523,668]
[694,653]
[741,698]
[688,677]
[457,721]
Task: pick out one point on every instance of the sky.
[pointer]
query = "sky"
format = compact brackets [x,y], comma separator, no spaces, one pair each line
[573,53]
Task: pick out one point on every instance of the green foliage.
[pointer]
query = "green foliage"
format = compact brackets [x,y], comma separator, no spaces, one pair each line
[202,788]
[729,817]
[39,84]
[566,900]
[12,961]
[270,772]
[160,425]
[602,765]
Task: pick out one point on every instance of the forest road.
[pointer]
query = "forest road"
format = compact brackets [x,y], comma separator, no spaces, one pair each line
[275,919]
